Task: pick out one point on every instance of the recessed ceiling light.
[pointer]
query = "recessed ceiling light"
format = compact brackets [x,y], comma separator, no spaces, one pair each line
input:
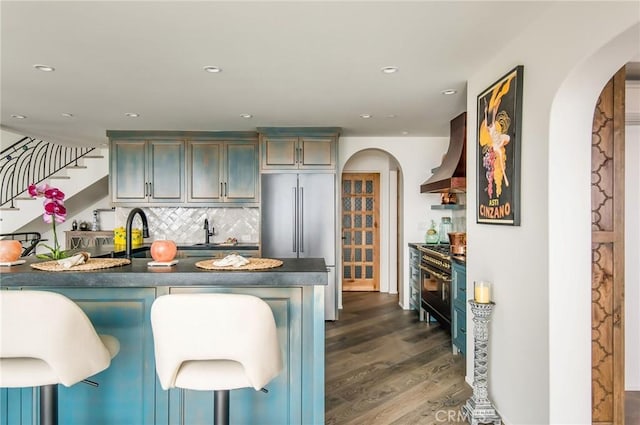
[365,116]
[132,115]
[67,115]
[246,116]
[404,133]
[212,69]
[391,116]
[45,68]
[18,116]
[390,69]
[449,91]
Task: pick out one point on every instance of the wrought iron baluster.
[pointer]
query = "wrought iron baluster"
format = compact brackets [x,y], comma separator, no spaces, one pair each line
[32,161]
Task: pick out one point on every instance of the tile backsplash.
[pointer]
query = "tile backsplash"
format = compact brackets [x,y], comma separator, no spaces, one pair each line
[186,225]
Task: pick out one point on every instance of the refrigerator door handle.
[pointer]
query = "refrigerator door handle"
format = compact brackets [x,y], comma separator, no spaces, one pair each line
[301,226]
[294,234]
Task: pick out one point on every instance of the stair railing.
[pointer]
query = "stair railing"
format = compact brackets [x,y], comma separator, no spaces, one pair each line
[32,161]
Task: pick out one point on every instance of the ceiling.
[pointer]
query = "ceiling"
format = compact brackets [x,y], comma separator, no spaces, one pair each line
[285,63]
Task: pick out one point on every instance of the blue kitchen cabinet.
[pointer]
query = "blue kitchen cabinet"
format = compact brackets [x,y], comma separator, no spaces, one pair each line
[459,306]
[126,390]
[240,172]
[147,171]
[298,148]
[223,172]
[184,168]
[204,176]
[129,392]
[414,278]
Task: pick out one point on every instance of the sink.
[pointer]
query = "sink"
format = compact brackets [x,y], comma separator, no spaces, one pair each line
[142,252]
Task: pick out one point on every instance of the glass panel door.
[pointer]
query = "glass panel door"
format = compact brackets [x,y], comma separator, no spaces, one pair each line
[360,232]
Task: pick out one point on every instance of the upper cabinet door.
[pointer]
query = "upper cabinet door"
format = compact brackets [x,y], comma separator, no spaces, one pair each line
[166,171]
[317,153]
[298,152]
[147,171]
[204,178]
[280,153]
[241,171]
[128,171]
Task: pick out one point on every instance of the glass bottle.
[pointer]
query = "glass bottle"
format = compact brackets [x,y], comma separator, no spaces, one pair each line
[445,229]
[432,235]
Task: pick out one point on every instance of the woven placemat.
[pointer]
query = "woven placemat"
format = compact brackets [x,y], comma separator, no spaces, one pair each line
[254,264]
[91,264]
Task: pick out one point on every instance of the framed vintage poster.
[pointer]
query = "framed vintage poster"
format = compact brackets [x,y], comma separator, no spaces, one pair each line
[498,151]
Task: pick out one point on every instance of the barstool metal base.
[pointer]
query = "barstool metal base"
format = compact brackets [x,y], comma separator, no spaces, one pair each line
[49,404]
[221,405]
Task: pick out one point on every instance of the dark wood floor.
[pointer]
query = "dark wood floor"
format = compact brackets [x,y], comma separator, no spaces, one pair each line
[385,367]
[632,408]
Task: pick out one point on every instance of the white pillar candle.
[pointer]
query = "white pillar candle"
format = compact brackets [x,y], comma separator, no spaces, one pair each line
[482,292]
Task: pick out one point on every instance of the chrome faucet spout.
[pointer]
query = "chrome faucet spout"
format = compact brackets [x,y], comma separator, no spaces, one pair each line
[145,228]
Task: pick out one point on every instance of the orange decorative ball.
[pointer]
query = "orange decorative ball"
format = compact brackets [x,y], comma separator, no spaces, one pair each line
[10,250]
[163,250]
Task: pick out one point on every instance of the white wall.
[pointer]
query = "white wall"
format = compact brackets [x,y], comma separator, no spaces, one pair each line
[416,156]
[8,138]
[539,368]
[632,256]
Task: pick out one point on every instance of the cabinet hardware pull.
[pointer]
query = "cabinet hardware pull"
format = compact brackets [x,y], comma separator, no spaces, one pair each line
[302,219]
[295,218]
[221,190]
[225,190]
[463,330]
[150,189]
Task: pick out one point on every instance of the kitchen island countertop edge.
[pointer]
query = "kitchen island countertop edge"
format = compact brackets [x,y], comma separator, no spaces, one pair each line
[293,272]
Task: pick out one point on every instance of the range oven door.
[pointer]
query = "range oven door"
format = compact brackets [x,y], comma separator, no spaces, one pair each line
[436,294]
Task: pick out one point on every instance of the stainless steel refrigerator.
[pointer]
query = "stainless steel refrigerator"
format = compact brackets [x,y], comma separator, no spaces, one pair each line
[298,221]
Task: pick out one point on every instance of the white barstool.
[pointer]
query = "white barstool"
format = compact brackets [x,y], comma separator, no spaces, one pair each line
[46,340]
[215,342]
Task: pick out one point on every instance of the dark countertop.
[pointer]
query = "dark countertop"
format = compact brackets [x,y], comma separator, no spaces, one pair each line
[293,272]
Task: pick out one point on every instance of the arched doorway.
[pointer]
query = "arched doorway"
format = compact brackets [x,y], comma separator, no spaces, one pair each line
[570,335]
[383,168]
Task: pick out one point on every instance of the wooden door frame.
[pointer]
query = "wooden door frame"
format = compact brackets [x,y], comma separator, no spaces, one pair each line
[607,305]
[377,225]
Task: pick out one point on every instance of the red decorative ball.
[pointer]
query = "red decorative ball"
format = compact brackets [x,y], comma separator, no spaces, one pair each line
[10,250]
[163,250]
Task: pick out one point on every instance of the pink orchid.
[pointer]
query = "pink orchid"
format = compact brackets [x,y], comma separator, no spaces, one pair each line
[54,212]
[55,209]
[36,191]
[54,193]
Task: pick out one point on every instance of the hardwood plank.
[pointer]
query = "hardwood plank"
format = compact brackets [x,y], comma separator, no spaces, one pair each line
[384,366]
[632,407]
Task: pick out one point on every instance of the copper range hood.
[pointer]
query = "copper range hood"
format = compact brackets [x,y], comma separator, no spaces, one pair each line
[451,175]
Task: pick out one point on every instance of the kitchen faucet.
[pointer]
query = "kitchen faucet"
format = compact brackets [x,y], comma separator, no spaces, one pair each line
[145,229]
[207,233]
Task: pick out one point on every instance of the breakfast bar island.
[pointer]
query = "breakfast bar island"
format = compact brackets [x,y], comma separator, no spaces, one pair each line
[118,301]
